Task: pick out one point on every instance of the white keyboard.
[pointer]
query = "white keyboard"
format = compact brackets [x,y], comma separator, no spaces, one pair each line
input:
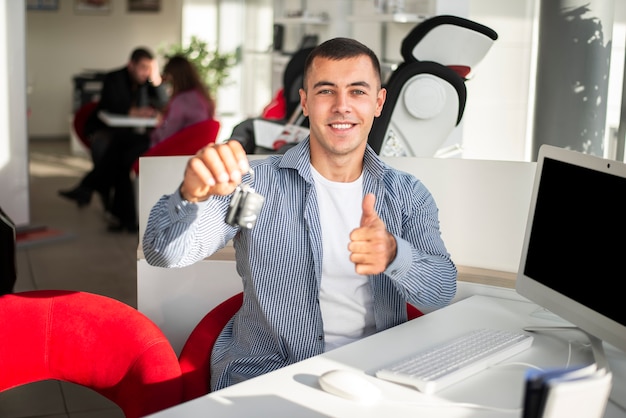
[452,361]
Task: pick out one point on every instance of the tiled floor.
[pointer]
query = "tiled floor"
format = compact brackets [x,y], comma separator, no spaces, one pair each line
[88,259]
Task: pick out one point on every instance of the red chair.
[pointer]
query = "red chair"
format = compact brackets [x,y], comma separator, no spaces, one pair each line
[277,108]
[80,118]
[412,312]
[195,357]
[187,141]
[90,340]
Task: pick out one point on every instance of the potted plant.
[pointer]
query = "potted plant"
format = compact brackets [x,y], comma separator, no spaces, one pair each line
[213,66]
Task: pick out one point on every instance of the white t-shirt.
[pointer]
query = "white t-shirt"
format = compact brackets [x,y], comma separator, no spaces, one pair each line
[345,296]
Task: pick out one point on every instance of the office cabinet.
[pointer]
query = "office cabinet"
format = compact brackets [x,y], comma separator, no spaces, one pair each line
[87,88]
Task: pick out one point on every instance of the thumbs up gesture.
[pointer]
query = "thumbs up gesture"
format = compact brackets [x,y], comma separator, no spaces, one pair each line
[371,247]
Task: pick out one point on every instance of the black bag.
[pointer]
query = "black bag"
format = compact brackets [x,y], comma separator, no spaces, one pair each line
[8,271]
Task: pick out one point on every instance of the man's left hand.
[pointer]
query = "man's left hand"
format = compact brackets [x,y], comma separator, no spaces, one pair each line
[372,248]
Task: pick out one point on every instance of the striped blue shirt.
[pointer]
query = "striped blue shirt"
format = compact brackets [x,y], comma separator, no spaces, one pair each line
[280,259]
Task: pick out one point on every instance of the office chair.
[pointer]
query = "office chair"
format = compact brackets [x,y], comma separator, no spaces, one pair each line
[292,82]
[79,120]
[187,141]
[90,340]
[284,107]
[426,94]
[195,357]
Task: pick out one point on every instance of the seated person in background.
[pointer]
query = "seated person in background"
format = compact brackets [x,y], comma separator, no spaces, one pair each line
[133,90]
[190,102]
[342,241]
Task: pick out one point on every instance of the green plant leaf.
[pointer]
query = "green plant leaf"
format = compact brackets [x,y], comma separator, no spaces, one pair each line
[213,66]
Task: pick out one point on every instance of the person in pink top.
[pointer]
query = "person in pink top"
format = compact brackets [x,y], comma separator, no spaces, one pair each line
[190,101]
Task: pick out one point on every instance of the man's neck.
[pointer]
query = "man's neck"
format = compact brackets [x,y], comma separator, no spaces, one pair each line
[340,168]
[343,171]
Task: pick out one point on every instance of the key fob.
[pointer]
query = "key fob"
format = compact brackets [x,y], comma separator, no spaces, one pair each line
[244,208]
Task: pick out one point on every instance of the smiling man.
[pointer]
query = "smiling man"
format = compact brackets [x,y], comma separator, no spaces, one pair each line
[342,241]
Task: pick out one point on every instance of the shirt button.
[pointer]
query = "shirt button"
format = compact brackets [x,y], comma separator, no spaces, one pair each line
[394,271]
[320,337]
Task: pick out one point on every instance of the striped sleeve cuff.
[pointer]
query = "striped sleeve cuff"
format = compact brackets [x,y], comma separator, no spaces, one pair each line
[402,263]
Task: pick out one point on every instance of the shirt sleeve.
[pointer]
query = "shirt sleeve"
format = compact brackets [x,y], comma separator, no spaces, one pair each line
[179,233]
[402,263]
[422,270]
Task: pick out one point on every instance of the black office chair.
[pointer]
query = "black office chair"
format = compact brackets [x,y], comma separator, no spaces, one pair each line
[292,81]
[426,94]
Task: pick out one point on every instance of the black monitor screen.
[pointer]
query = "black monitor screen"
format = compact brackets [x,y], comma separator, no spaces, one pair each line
[577,243]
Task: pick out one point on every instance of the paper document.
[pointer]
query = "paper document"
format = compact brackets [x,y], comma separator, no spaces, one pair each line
[567,393]
[273,135]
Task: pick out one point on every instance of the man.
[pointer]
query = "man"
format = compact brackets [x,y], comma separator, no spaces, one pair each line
[134,90]
[341,244]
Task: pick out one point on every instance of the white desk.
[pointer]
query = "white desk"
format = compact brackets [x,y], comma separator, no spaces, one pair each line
[294,392]
[125,121]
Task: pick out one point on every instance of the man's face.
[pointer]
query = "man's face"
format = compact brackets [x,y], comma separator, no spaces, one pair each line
[140,70]
[341,99]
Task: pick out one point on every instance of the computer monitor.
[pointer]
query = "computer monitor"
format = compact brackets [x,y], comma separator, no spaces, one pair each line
[572,260]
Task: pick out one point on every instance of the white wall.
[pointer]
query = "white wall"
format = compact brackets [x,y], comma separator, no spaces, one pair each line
[14,198]
[495,118]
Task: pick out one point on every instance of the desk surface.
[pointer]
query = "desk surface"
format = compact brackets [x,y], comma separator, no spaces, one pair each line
[294,391]
[125,121]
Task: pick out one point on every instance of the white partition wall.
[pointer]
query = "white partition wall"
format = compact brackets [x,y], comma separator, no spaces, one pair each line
[483,207]
[176,299]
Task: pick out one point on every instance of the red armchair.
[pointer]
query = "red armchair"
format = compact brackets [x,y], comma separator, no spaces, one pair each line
[78,124]
[187,141]
[195,357]
[90,340]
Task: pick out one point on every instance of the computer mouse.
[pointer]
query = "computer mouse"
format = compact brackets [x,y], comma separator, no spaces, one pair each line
[349,384]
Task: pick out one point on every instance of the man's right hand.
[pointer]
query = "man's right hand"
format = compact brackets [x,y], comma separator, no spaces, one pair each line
[215,170]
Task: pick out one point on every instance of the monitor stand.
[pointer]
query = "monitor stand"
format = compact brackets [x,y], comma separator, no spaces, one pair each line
[618,389]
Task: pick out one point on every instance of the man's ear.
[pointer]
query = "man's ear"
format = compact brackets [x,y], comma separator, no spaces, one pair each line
[302,93]
[380,101]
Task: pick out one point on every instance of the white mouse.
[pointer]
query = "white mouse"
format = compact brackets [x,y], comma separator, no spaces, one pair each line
[350,385]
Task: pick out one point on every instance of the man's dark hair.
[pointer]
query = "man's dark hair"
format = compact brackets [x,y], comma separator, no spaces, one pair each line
[339,49]
[141,54]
